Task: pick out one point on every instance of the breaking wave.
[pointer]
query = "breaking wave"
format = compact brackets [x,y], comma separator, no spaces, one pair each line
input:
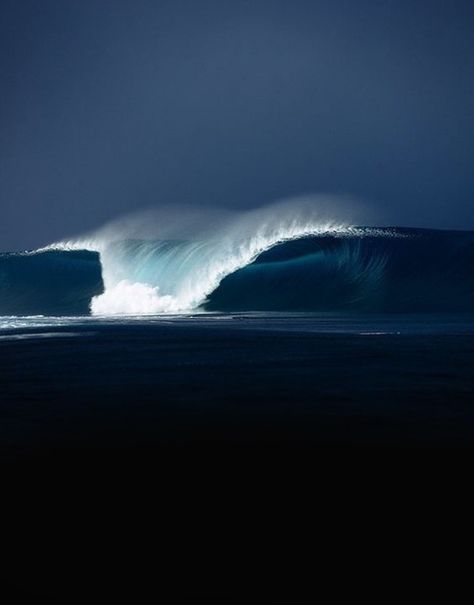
[280,258]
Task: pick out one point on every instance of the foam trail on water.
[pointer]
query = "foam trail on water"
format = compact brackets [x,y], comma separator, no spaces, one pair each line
[170,260]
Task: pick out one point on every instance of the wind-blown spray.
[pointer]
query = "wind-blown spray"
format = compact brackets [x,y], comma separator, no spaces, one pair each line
[170,260]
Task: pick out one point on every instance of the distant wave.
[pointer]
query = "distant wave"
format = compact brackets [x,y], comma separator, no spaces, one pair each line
[335,269]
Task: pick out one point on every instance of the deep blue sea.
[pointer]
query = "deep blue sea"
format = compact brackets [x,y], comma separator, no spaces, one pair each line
[188,454]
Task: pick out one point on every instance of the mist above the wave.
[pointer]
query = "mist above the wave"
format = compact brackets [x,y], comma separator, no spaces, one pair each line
[170,258]
[200,222]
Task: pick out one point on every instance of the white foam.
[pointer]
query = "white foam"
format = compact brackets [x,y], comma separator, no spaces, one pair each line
[169,261]
[137,298]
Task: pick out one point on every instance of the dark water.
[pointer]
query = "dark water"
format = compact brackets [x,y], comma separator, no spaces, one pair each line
[397,270]
[298,378]
[193,459]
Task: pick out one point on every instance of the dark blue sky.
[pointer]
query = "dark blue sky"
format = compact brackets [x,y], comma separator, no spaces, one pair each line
[109,106]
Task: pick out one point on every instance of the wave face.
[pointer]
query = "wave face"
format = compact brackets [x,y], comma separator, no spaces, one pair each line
[49,282]
[322,268]
[408,270]
[170,260]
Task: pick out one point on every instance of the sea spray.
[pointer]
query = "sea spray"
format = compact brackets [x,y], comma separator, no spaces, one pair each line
[169,260]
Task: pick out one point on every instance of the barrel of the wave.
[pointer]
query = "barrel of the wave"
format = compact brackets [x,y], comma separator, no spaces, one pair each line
[383,270]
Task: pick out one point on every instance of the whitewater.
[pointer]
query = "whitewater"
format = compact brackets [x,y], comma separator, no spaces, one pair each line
[170,260]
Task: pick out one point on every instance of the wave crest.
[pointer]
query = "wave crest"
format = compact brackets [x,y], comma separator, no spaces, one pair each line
[171,260]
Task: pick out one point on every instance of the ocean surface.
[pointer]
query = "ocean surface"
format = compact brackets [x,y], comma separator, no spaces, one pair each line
[301,378]
[299,334]
[184,391]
